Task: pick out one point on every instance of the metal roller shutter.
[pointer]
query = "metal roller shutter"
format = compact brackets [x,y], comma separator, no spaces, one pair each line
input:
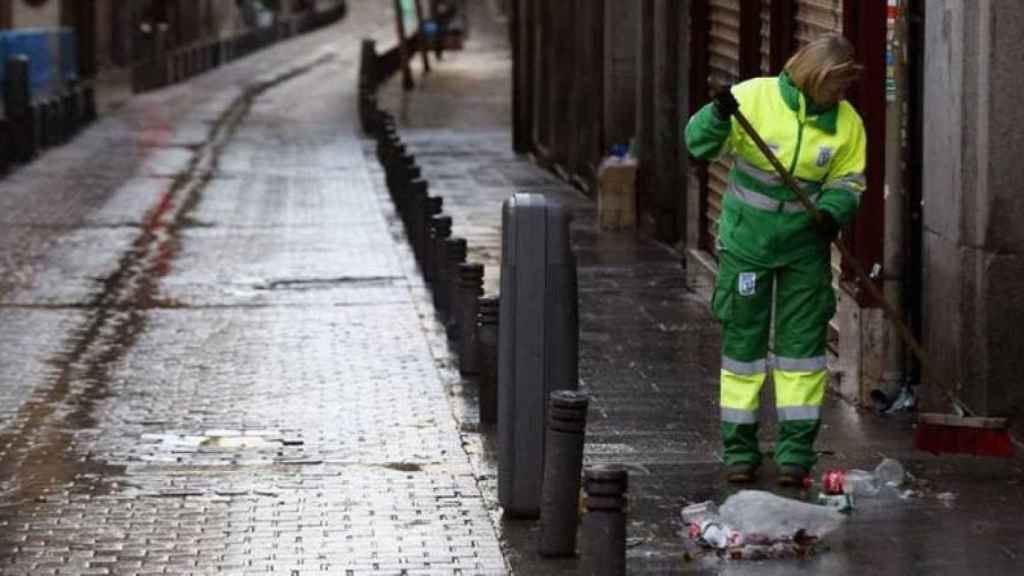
[817,17]
[766,37]
[723,70]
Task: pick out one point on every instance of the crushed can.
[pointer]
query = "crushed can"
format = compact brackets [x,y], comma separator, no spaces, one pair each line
[832,481]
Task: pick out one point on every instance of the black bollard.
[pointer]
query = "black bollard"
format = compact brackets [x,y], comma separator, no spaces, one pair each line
[17,87]
[433,206]
[563,461]
[89,104]
[24,138]
[471,288]
[447,276]
[38,127]
[487,352]
[397,169]
[604,526]
[440,230]
[6,145]
[53,127]
[416,194]
[368,64]
[75,100]
[406,175]
[458,250]
[417,200]
[386,144]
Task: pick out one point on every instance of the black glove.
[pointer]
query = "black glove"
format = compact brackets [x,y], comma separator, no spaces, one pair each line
[725,105]
[826,227]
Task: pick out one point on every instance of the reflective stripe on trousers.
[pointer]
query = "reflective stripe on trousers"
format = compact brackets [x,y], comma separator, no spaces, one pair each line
[799,388]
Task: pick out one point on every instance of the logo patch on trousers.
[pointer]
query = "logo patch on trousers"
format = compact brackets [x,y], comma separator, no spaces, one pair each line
[747,283]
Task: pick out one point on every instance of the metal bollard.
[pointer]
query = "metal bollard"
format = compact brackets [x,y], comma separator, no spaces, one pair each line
[440,230]
[406,175]
[538,342]
[563,461]
[458,251]
[386,145]
[17,87]
[75,111]
[433,206]
[38,127]
[604,526]
[51,111]
[397,168]
[418,194]
[6,145]
[24,138]
[487,353]
[368,64]
[447,271]
[471,288]
[89,104]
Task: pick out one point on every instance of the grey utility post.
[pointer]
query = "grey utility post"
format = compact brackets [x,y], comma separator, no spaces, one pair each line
[538,341]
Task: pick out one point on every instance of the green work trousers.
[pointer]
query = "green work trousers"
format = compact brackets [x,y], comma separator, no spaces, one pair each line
[804,303]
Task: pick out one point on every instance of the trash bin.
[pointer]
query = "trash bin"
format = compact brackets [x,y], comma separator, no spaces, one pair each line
[538,341]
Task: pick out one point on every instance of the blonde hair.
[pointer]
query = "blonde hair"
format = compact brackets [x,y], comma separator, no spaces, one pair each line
[823,63]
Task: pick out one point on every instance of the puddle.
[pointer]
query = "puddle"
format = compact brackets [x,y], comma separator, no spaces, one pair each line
[221,439]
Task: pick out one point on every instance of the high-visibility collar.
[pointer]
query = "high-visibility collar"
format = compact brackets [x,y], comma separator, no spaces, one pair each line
[824,119]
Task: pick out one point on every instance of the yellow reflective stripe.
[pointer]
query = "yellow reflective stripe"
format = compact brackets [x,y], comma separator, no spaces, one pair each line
[741,392]
[794,388]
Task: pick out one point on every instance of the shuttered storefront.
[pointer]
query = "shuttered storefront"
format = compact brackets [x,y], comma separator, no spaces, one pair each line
[723,71]
[817,17]
[766,37]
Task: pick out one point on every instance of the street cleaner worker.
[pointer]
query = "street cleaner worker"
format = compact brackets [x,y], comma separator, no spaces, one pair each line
[769,245]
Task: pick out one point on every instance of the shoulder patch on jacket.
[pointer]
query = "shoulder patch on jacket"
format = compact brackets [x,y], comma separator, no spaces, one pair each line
[825,154]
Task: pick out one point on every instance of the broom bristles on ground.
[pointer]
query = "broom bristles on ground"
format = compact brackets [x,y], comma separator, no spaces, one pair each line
[948,434]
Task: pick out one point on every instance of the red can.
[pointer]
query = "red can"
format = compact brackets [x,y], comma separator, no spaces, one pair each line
[832,481]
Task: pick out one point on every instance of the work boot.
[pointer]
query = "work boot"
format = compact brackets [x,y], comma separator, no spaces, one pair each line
[741,473]
[792,475]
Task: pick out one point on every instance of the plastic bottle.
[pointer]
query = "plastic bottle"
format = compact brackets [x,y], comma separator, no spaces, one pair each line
[891,473]
[861,483]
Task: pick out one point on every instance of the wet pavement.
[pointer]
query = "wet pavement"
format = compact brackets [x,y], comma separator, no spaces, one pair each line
[649,355]
[210,356]
[218,355]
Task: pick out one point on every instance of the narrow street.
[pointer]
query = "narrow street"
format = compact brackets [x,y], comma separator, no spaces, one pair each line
[218,354]
[212,358]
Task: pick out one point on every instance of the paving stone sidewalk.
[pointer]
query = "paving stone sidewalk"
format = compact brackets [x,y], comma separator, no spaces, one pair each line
[225,370]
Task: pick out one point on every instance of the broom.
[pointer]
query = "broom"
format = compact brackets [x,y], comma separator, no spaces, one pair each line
[959,433]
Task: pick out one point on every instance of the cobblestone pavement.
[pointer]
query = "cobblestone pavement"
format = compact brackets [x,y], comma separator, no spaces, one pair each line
[649,355]
[214,357]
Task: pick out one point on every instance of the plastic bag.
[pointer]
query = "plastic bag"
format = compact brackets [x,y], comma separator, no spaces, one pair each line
[764,517]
